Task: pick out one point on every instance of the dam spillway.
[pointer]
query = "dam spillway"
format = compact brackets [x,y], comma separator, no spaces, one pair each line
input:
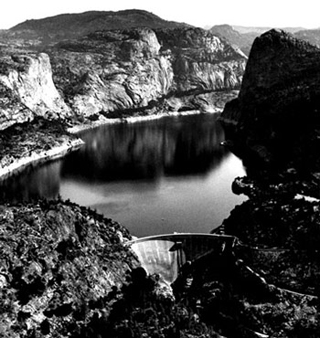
[166,254]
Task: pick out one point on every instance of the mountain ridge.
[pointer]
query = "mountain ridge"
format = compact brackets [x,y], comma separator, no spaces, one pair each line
[242,40]
[243,37]
[74,25]
[261,30]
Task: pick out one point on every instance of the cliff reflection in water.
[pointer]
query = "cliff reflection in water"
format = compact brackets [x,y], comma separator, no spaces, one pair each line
[42,181]
[166,147]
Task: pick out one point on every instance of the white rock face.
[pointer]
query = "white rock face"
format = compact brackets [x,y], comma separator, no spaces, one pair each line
[133,85]
[131,70]
[111,72]
[31,84]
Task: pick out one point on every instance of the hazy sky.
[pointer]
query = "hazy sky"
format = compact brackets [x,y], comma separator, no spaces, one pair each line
[270,13]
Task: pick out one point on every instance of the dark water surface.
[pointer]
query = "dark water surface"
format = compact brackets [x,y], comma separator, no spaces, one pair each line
[153,177]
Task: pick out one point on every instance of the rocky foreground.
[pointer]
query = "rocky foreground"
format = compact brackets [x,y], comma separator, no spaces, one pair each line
[58,263]
[67,272]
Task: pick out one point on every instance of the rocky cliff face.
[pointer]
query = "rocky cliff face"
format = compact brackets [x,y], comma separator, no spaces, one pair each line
[201,60]
[119,73]
[27,89]
[112,71]
[277,109]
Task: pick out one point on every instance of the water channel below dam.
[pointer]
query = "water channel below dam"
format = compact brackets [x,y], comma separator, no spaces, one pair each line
[153,177]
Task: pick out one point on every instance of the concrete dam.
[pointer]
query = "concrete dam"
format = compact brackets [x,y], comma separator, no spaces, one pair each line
[166,254]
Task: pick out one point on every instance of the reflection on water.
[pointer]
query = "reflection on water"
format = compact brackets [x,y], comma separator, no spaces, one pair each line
[171,146]
[153,177]
[32,183]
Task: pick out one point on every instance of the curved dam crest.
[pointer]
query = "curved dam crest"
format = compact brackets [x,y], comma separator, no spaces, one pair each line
[167,254]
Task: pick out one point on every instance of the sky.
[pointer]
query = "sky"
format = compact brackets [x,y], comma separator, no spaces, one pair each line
[201,13]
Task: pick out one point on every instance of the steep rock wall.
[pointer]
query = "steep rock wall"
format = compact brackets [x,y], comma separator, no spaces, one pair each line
[112,71]
[27,89]
[119,73]
[201,60]
[278,106]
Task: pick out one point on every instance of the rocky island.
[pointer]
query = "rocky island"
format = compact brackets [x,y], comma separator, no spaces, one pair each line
[67,271]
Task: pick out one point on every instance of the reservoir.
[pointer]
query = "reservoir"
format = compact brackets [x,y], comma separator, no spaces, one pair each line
[153,177]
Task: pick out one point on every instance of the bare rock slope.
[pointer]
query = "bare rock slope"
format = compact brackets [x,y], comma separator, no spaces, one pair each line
[27,89]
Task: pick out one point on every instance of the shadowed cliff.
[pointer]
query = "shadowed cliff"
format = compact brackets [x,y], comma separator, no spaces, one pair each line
[276,115]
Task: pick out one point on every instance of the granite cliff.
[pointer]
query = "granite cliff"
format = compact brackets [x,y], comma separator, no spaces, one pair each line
[118,73]
[135,70]
[276,115]
[27,89]
[111,71]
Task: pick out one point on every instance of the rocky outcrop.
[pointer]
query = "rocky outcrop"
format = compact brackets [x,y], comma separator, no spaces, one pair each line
[27,89]
[67,271]
[276,115]
[59,262]
[144,70]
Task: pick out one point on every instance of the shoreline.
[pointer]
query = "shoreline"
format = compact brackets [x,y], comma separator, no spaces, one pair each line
[69,144]
[105,121]
[38,158]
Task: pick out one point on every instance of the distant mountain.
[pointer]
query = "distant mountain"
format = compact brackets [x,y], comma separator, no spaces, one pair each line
[242,40]
[310,35]
[245,29]
[70,26]
[243,37]
[261,30]
[248,34]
